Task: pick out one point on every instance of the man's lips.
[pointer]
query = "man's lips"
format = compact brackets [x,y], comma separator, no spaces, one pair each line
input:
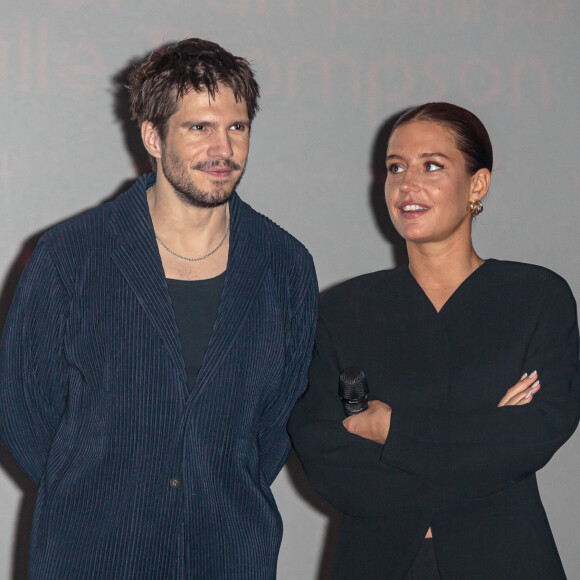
[218,172]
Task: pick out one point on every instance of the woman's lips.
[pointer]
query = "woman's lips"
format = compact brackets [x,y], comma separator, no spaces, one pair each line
[412,210]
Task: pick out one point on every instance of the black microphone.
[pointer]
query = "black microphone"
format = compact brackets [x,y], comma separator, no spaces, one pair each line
[353,390]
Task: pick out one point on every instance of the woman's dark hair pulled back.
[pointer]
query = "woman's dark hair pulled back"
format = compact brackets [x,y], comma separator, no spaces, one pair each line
[471,136]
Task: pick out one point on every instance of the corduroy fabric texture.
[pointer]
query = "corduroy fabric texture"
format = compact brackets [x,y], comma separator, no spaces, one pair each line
[137,477]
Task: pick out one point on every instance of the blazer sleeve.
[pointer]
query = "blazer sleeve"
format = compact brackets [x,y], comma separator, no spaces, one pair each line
[477,453]
[32,366]
[343,468]
[274,443]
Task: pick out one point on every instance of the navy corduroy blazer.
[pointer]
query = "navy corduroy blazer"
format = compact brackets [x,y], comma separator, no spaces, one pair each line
[137,477]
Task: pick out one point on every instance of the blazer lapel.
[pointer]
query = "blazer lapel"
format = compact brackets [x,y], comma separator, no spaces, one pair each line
[247,266]
[137,257]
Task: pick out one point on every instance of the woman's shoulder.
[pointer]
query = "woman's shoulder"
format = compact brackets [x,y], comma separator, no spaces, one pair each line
[521,274]
[527,286]
[372,288]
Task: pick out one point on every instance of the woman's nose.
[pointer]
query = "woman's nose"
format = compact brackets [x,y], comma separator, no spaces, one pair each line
[409,181]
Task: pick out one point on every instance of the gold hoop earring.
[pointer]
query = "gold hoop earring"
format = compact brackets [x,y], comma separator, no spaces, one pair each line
[475,207]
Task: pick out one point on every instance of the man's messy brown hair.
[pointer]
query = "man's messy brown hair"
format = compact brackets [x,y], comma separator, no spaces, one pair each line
[157,84]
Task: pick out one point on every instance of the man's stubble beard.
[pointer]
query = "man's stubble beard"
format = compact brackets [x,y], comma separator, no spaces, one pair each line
[187,191]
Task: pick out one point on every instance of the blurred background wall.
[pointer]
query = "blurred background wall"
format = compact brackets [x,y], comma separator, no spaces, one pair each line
[334,74]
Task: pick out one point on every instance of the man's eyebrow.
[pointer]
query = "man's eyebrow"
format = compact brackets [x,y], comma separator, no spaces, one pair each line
[212,124]
[190,122]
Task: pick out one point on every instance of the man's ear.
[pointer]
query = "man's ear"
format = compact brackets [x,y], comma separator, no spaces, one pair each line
[151,139]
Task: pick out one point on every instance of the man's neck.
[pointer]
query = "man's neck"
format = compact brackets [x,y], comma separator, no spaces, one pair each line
[187,233]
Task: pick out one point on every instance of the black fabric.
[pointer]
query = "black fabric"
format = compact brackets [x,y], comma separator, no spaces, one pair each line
[424,566]
[453,460]
[196,304]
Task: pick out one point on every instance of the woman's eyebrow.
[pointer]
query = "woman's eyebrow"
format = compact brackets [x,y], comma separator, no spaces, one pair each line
[422,156]
[435,154]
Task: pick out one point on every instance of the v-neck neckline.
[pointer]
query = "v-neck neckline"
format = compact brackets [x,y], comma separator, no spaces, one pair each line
[458,291]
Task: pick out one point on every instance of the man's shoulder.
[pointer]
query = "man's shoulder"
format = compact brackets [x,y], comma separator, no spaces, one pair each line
[86,223]
[289,262]
[76,237]
[279,240]
[90,228]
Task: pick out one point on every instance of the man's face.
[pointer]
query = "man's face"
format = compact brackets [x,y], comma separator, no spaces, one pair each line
[204,152]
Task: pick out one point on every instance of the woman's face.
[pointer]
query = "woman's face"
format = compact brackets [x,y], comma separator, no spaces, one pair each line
[428,189]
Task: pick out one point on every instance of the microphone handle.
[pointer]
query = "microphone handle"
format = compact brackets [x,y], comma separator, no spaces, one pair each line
[354,406]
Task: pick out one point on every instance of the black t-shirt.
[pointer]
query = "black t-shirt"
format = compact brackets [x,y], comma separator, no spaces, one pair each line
[195,303]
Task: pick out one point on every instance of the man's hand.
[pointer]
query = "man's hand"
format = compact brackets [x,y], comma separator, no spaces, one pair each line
[373,424]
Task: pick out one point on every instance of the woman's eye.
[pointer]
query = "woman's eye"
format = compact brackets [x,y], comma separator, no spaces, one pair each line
[431,166]
[394,168]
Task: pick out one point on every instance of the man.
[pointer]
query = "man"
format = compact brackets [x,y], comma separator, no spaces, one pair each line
[155,348]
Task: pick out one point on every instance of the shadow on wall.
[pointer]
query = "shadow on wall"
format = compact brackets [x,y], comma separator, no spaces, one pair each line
[131,132]
[132,139]
[377,191]
[383,222]
[21,542]
[134,145]
[333,516]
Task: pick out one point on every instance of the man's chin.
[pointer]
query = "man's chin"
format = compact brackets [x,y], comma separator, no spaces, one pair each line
[211,199]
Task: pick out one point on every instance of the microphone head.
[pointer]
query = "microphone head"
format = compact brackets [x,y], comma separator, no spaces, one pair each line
[353,390]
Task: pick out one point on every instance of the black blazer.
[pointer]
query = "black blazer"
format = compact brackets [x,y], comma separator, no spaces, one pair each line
[453,460]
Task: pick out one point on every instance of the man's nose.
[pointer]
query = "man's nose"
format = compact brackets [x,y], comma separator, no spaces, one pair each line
[220,146]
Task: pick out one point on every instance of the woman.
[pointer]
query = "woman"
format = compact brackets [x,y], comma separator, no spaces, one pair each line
[437,478]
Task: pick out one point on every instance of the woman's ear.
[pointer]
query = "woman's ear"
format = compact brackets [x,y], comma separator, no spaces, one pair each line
[480,184]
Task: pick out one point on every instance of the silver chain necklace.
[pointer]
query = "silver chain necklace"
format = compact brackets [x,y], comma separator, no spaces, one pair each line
[196,259]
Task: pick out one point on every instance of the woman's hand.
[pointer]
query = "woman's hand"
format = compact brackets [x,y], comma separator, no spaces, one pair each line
[373,424]
[523,391]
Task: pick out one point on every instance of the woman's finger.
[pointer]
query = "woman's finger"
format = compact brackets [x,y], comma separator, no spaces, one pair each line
[524,397]
[520,388]
[371,424]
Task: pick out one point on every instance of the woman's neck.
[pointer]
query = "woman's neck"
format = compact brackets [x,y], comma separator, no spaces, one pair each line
[441,270]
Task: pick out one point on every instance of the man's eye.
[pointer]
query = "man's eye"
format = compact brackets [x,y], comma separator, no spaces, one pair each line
[238,127]
[197,127]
